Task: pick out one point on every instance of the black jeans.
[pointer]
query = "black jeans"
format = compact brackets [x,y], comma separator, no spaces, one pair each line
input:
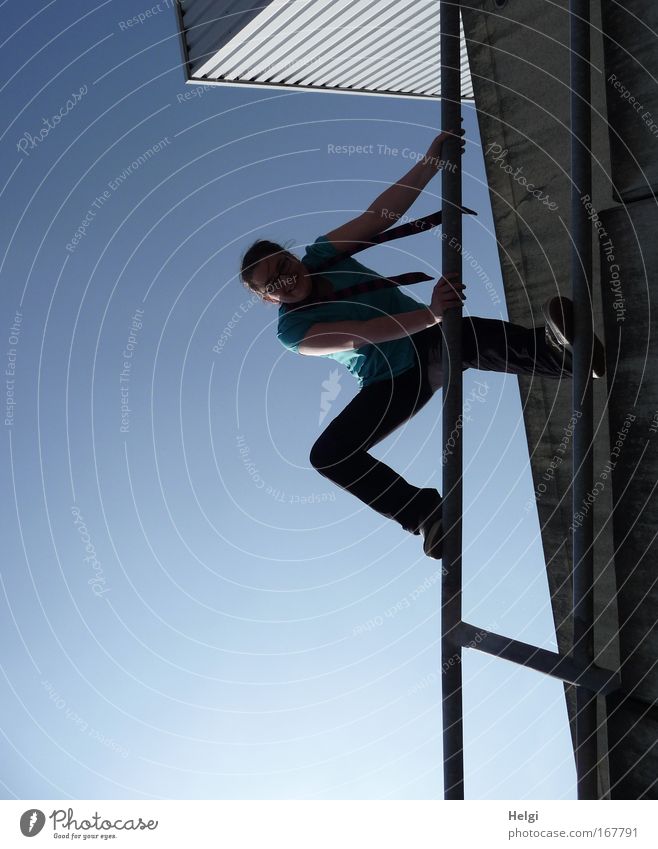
[341,452]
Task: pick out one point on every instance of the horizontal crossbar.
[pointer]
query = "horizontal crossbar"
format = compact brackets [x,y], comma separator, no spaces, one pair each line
[592,678]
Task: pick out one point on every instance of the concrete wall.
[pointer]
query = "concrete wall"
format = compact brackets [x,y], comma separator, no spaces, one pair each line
[631,76]
[632,354]
[630,294]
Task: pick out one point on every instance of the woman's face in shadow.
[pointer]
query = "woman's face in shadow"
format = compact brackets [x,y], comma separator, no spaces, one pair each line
[282,279]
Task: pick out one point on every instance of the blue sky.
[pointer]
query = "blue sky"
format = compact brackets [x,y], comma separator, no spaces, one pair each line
[189,609]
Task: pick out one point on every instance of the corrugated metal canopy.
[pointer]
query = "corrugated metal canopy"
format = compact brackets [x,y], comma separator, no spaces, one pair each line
[365,46]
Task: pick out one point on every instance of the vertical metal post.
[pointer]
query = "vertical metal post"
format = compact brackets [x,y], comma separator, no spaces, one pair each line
[583,461]
[451,584]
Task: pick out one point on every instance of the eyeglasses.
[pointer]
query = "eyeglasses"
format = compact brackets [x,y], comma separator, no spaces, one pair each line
[281,279]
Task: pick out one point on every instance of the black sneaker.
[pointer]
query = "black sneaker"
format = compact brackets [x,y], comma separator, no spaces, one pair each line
[432,532]
[558,315]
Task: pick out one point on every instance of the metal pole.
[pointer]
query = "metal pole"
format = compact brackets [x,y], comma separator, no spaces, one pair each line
[583,465]
[451,584]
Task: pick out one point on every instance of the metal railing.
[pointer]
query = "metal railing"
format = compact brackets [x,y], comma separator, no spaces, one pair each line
[577,668]
[451,584]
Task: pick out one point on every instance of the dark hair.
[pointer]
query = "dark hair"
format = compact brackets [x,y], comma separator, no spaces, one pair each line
[260,250]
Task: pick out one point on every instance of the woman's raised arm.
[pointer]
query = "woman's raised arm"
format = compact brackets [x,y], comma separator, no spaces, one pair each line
[392,203]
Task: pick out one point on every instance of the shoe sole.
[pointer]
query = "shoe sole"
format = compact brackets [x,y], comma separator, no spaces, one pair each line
[558,315]
[433,543]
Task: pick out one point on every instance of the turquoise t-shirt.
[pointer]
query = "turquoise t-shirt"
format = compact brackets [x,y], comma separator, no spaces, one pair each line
[370,362]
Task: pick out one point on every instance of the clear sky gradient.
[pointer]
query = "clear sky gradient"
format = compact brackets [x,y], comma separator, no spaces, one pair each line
[188,609]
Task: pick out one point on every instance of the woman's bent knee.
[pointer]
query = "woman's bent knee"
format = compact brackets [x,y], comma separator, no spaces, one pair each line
[322,456]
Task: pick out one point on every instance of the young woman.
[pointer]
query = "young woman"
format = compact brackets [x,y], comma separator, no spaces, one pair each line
[392,344]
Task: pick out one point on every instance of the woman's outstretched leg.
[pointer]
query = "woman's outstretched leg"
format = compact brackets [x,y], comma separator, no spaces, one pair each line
[496,345]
